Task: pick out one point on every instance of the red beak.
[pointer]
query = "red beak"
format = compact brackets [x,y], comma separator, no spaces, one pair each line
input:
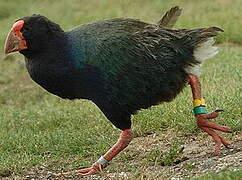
[15,40]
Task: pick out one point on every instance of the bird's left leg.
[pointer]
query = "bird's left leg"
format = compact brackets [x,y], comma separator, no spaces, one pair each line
[202,116]
[123,141]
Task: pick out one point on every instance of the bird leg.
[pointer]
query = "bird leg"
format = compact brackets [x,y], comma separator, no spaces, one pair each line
[202,117]
[123,141]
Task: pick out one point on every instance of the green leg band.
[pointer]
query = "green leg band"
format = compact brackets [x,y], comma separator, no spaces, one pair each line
[199,110]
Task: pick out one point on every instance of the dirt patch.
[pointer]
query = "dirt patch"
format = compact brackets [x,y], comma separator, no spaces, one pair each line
[196,159]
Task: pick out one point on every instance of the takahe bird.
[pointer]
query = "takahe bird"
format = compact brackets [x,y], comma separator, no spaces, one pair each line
[122,65]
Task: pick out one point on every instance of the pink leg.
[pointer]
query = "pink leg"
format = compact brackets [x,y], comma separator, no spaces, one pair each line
[202,119]
[124,140]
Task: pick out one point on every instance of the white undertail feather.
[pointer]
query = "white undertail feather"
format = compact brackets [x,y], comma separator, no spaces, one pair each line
[202,52]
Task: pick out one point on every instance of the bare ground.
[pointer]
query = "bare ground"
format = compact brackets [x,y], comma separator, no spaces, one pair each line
[195,159]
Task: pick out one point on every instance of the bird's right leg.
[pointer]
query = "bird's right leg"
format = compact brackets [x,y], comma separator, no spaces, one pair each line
[202,117]
[123,141]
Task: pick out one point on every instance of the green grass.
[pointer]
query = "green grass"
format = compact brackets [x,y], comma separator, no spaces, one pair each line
[38,128]
[157,157]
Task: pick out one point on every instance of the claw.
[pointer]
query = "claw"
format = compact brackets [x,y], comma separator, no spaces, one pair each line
[228,146]
[219,110]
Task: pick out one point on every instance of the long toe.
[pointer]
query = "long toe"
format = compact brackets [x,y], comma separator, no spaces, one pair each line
[215,126]
[91,172]
[80,172]
[85,170]
[202,121]
[218,127]
[217,149]
[216,137]
[224,142]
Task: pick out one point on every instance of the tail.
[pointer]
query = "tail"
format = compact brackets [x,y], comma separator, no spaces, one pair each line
[170,18]
[201,41]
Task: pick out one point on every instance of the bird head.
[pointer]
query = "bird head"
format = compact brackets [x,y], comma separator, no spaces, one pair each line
[30,34]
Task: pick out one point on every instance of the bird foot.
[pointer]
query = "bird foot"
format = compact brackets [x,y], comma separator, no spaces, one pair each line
[94,169]
[209,127]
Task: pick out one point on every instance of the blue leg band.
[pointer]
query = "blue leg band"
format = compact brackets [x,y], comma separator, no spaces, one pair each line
[199,110]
